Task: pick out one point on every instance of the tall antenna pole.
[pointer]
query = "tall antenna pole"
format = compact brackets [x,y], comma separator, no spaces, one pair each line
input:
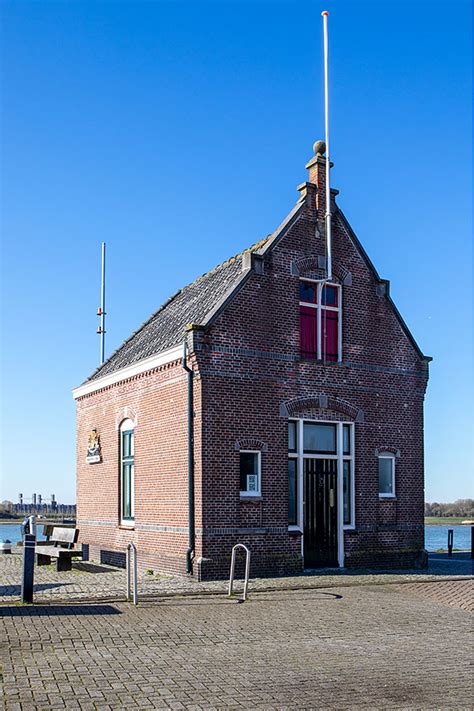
[101,309]
[328,162]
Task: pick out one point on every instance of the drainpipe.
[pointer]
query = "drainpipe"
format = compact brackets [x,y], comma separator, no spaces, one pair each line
[191,523]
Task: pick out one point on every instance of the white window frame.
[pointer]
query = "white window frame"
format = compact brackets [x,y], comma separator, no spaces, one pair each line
[295,526]
[300,455]
[386,455]
[127,426]
[351,459]
[252,494]
[321,307]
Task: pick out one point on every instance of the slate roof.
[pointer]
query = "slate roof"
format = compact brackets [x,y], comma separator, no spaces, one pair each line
[167,326]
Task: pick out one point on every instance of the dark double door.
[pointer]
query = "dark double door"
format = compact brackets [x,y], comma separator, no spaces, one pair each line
[320,513]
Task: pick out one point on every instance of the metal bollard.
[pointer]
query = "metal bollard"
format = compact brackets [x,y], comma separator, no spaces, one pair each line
[132,573]
[450,541]
[28,567]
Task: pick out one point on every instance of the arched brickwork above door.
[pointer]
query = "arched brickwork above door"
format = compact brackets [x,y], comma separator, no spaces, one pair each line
[379,451]
[314,267]
[296,406]
[251,443]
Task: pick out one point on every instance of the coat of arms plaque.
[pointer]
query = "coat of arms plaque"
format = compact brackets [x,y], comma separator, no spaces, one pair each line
[93,448]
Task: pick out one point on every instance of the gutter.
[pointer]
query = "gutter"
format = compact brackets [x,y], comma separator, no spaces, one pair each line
[190,416]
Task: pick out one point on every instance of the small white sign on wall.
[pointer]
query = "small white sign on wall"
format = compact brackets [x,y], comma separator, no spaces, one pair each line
[252,482]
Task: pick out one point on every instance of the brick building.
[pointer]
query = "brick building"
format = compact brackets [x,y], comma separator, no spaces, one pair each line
[261,405]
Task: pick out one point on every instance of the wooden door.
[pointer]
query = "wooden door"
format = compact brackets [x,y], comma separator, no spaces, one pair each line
[320,513]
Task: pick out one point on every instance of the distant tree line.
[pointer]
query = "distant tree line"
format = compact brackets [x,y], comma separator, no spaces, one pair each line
[461,507]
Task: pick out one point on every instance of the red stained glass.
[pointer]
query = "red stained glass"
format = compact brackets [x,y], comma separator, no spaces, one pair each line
[330,330]
[308,332]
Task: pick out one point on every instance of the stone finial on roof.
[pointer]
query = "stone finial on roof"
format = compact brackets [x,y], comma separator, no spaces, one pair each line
[319,148]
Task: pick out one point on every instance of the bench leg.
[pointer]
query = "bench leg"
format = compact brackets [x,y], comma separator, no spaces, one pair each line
[43,559]
[63,564]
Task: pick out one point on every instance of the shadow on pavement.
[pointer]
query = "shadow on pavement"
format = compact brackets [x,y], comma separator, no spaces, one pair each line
[438,564]
[92,568]
[254,596]
[15,590]
[50,610]
[457,555]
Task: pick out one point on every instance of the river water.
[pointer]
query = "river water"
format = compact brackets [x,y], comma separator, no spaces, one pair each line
[12,531]
[436,537]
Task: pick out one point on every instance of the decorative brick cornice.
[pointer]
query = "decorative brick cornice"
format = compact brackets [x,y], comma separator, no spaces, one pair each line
[251,443]
[294,407]
[161,361]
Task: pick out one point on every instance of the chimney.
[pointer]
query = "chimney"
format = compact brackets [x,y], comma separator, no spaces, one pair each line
[317,176]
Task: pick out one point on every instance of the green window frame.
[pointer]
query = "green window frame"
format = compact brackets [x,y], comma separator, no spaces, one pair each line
[127,471]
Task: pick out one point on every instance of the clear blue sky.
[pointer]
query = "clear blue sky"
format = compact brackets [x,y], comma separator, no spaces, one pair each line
[178,132]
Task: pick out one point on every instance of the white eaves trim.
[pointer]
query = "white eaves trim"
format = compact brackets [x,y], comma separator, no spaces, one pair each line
[154,361]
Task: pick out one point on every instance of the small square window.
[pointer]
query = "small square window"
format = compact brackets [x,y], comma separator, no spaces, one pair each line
[308,292]
[329,296]
[387,476]
[250,473]
[319,438]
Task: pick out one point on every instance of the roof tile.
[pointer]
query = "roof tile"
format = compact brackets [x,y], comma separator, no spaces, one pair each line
[167,326]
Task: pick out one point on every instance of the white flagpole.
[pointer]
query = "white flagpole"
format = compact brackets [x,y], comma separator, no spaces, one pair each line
[328,162]
[101,311]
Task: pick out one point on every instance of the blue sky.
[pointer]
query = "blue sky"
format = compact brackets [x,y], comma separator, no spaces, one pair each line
[178,132]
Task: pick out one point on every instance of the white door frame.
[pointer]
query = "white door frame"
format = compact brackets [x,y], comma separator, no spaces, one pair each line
[340,457]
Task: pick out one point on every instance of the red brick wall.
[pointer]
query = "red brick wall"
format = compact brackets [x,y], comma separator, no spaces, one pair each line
[247,366]
[244,385]
[158,402]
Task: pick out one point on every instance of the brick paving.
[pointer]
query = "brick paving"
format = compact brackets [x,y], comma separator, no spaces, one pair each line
[454,593]
[355,647]
[91,582]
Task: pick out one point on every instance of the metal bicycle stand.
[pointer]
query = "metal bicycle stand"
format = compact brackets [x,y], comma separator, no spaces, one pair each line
[232,570]
[132,573]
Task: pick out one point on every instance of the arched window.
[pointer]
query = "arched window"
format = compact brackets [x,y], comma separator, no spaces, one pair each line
[127,471]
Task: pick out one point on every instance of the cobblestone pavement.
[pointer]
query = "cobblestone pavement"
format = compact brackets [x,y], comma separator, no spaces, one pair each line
[92,582]
[455,593]
[356,647]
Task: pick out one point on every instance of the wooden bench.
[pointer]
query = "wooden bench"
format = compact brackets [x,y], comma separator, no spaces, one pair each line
[60,545]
